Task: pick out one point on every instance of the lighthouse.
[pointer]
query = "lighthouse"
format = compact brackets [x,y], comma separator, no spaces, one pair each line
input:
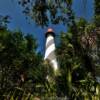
[50,49]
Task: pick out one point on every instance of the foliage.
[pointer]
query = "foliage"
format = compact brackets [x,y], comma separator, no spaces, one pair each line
[97,13]
[76,81]
[44,12]
[4,20]
[20,65]
[25,76]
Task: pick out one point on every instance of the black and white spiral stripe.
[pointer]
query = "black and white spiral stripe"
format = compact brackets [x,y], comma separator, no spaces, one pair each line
[50,51]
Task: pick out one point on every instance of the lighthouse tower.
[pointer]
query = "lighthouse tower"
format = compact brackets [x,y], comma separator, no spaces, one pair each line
[50,49]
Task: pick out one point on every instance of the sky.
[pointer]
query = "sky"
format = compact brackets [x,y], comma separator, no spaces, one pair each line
[18,20]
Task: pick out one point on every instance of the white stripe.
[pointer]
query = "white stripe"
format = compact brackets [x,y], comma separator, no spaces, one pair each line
[49,38]
[49,50]
[54,64]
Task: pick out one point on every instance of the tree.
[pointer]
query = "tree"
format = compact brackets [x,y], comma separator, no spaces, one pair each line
[97,12]
[97,31]
[39,10]
[75,81]
[18,59]
[4,20]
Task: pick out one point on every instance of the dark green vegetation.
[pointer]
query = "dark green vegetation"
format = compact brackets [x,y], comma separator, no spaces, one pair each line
[97,12]
[23,73]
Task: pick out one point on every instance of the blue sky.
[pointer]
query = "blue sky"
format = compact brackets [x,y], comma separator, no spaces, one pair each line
[19,22]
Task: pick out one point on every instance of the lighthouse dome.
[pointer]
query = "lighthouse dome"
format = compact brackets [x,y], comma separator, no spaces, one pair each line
[50,32]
